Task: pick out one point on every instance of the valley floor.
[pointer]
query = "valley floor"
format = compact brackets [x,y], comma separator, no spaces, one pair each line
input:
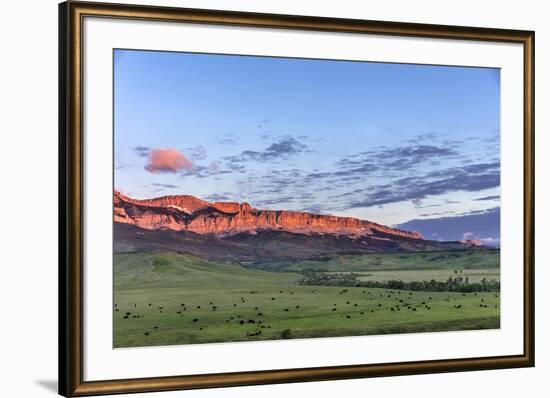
[169,298]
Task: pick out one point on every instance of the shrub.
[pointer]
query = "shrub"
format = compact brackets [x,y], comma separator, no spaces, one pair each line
[286,334]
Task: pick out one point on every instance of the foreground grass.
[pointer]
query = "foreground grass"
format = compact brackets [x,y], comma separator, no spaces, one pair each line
[168,298]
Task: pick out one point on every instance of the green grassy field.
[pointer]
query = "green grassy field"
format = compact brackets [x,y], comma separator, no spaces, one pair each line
[446,260]
[168,298]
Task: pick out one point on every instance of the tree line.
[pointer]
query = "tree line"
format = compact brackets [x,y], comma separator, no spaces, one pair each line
[458,284]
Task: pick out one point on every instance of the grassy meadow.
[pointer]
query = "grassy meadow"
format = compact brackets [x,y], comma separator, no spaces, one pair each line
[166,298]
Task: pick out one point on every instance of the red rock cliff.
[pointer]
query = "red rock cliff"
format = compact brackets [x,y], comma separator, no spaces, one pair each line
[188,213]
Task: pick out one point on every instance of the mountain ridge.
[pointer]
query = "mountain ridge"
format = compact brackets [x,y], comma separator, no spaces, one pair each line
[192,214]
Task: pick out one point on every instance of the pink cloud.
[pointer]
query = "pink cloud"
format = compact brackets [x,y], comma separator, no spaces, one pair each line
[167,161]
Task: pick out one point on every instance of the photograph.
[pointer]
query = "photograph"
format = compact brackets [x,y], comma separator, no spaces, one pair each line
[273,198]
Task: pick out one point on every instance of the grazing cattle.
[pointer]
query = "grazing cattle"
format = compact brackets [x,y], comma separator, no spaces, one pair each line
[361,313]
[256,308]
[149,304]
[195,320]
[198,307]
[286,309]
[297,306]
[260,314]
[347,316]
[125,317]
[355,305]
[392,309]
[241,322]
[272,298]
[251,321]
[146,333]
[347,302]
[234,305]
[380,305]
[334,309]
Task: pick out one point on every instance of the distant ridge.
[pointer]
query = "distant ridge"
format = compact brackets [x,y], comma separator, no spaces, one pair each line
[191,214]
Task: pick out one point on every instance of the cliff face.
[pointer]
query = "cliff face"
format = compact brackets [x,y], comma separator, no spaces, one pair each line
[188,213]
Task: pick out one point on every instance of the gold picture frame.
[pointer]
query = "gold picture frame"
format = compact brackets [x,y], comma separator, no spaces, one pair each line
[71,16]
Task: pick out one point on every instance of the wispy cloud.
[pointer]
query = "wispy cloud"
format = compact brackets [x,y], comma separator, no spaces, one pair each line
[168,186]
[282,148]
[214,168]
[470,178]
[228,139]
[142,151]
[492,197]
[196,153]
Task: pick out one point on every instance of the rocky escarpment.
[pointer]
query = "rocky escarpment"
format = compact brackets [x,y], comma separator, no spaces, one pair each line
[188,213]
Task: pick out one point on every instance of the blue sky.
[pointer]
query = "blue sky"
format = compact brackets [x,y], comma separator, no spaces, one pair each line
[392,143]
